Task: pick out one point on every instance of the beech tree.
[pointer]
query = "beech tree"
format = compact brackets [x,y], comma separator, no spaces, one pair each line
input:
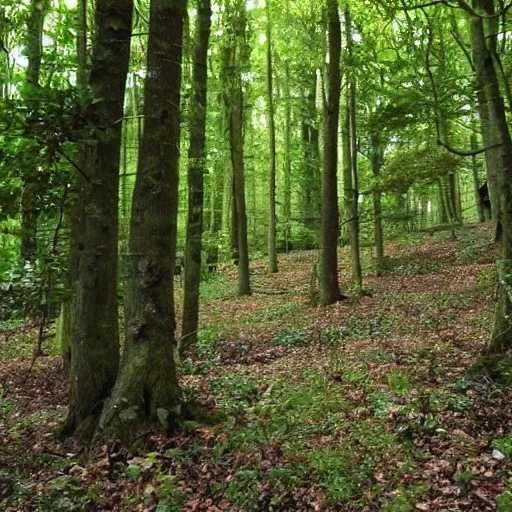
[95,339]
[329,285]
[196,170]
[147,386]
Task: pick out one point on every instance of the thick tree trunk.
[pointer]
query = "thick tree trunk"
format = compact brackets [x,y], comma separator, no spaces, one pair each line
[196,170]
[329,285]
[488,83]
[95,345]
[147,388]
[272,252]
[377,160]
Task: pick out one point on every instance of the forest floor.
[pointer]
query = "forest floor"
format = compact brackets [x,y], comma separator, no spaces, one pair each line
[373,403]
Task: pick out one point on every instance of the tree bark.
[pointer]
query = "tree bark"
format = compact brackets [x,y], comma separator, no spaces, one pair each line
[377,161]
[95,345]
[476,179]
[287,158]
[147,388]
[233,60]
[196,171]
[329,285]
[488,83]
[272,252]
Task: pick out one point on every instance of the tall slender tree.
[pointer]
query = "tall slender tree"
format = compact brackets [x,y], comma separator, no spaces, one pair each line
[147,386]
[30,208]
[329,285]
[196,171]
[350,170]
[272,252]
[95,337]
[235,55]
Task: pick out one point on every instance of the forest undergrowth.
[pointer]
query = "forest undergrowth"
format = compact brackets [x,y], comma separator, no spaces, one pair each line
[379,402]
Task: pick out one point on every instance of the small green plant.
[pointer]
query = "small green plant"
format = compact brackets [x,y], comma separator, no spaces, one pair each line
[331,336]
[400,383]
[207,340]
[504,445]
[504,501]
[244,490]
[276,312]
[290,338]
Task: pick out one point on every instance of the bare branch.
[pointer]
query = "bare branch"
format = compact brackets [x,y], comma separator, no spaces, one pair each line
[467,153]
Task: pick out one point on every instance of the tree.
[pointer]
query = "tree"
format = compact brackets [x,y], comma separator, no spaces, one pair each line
[272,253]
[196,170]
[147,388]
[488,84]
[235,54]
[30,208]
[329,286]
[94,343]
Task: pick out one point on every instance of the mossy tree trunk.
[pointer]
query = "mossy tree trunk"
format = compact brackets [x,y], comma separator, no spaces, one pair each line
[488,83]
[329,285]
[95,337]
[196,171]
[147,388]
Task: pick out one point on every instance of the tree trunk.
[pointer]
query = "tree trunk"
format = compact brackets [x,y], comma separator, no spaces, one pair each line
[476,179]
[233,60]
[355,258]
[488,83]
[196,170]
[95,345]
[272,252]
[287,158]
[66,314]
[30,208]
[147,387]
[329,285]
[377,158]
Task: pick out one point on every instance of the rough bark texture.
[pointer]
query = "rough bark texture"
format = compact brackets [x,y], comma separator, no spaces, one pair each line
[30,208]
[272,252]
[234,58]
[329,286]
[196,171]
[66,314]
[488,83]
[147,387]
[95,345]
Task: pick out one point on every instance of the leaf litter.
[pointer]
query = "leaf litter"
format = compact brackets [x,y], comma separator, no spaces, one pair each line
[363,405]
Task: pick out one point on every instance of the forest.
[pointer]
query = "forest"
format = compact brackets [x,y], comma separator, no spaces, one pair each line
[255,255]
